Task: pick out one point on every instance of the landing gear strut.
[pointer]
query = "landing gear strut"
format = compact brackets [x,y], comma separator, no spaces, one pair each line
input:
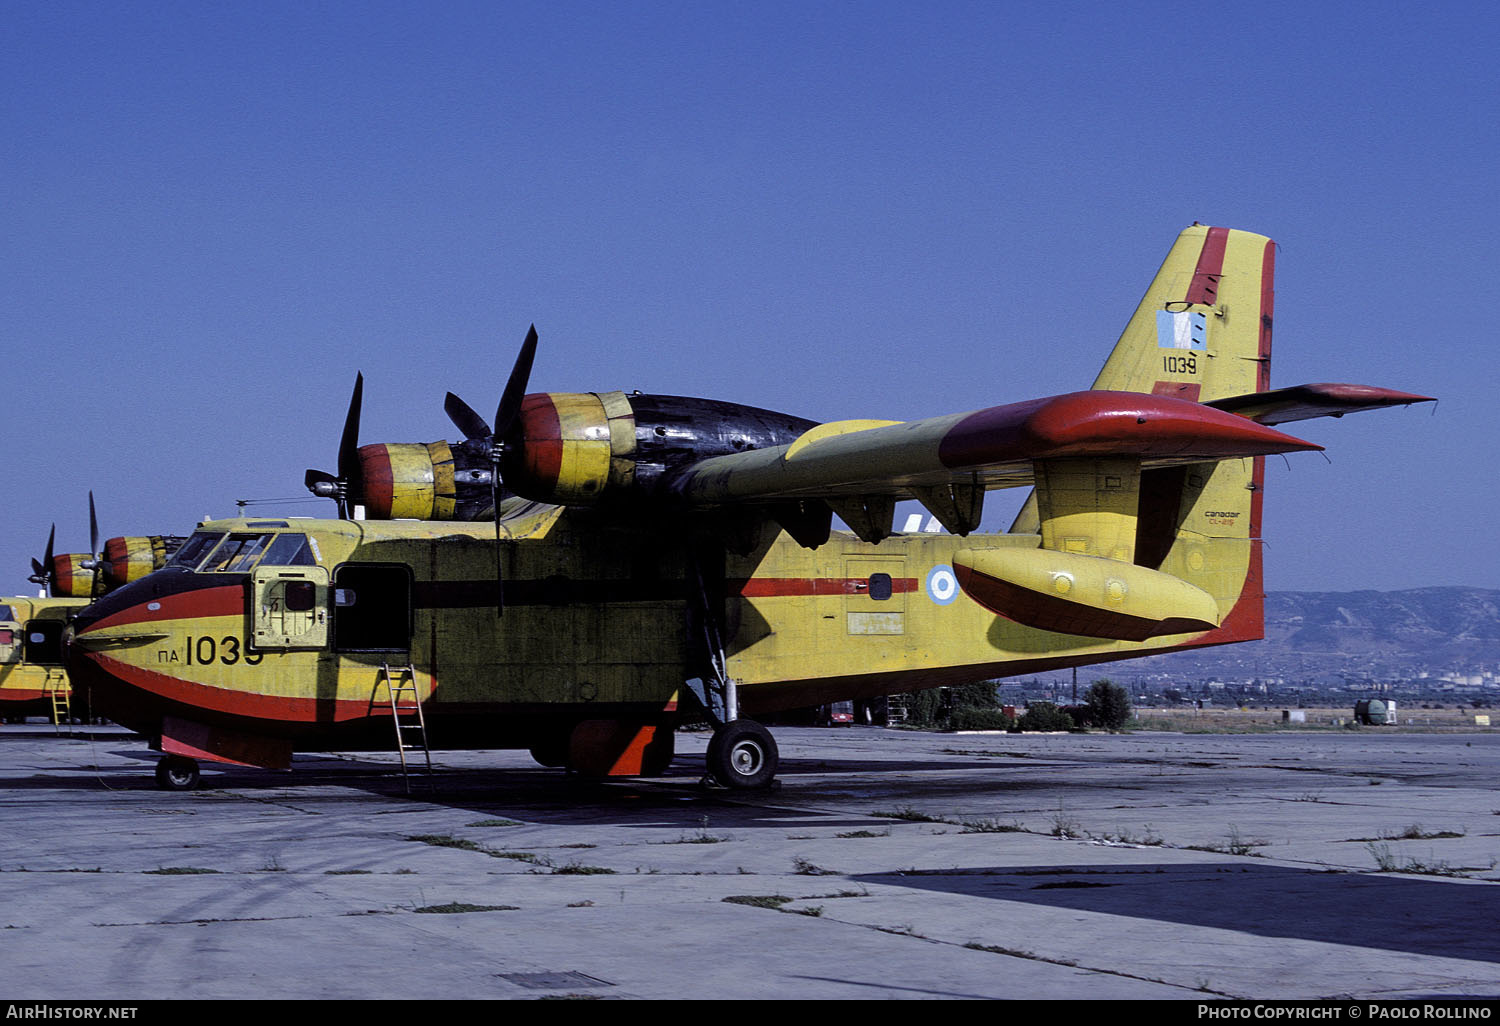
[176,773]
[742,755]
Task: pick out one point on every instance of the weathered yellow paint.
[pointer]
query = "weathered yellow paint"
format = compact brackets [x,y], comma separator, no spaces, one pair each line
[1231,362]
[586,444]
[21,680]
[1089,506]
[444,487]
[1095,583]
[831,430]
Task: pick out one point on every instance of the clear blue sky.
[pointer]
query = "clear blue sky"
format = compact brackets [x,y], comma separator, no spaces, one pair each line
[216,214]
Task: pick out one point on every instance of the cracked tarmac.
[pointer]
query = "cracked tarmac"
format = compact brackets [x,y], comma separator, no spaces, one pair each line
[888,864]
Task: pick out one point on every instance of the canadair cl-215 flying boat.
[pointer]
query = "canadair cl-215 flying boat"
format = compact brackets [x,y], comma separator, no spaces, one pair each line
[32,678]
[659,560]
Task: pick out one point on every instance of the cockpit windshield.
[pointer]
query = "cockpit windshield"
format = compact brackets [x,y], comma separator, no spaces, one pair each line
[238,553]
[289,550]
[195,548]
[242,551]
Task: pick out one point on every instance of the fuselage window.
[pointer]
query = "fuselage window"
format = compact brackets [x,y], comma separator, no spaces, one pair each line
[301,596]
[372,608]
[7,613]
[880,587]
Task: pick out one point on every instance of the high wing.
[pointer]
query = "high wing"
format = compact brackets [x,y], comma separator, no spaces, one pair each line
[947,462]
[993,448]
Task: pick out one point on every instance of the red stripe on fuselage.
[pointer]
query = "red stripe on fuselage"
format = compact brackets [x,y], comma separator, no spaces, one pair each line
[228,600]
[236,703]
[784,587]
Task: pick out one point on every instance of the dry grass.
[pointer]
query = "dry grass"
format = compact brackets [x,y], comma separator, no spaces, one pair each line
[1256,718]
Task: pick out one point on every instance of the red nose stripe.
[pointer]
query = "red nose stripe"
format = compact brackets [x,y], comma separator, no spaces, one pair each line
[226,601]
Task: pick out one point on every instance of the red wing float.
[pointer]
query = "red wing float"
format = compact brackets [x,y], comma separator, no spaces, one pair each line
[668,559]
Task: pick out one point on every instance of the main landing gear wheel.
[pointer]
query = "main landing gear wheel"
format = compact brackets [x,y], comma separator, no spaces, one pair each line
[176,773]
[742,755]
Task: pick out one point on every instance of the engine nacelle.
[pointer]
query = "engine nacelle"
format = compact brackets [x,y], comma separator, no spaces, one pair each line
[410,480]
[131,558]
[72,575]
[569,448]
[572,446]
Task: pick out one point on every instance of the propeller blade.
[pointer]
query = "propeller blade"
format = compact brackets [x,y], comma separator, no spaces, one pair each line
[321,483]
[515,389]
[506,415]
[465,418]
[42,572]
[349,468]
[94,554]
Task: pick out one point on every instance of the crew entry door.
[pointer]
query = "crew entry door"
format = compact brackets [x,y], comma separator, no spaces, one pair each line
[372,609]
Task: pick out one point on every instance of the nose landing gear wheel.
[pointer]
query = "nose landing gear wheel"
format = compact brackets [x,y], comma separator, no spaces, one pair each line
[176,773]
[742,755]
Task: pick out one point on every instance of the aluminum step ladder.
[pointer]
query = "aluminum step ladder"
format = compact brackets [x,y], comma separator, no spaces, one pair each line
[406,714]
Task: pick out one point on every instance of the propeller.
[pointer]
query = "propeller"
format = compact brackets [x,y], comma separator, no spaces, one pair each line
[94,555]
[466,419]
[507,413]
[41,573]
[347,485]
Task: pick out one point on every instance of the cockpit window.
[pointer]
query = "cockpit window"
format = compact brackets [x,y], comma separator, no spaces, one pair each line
[6,613]
[238,554]
[195,548]
[289,550]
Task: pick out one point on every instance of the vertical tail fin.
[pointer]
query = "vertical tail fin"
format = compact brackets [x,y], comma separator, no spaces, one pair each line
[1203,329]
[1202,332]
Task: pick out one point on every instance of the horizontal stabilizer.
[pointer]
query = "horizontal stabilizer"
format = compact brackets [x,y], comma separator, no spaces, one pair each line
[1304,402]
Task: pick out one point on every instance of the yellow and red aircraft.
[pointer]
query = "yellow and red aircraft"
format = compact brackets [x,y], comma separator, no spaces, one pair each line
[659,559]
[32,677]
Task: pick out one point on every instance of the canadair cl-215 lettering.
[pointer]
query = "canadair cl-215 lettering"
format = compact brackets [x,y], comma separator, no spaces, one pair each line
[659,560]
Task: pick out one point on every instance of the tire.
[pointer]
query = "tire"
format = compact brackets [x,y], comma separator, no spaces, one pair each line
[742,755]
[176,773]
